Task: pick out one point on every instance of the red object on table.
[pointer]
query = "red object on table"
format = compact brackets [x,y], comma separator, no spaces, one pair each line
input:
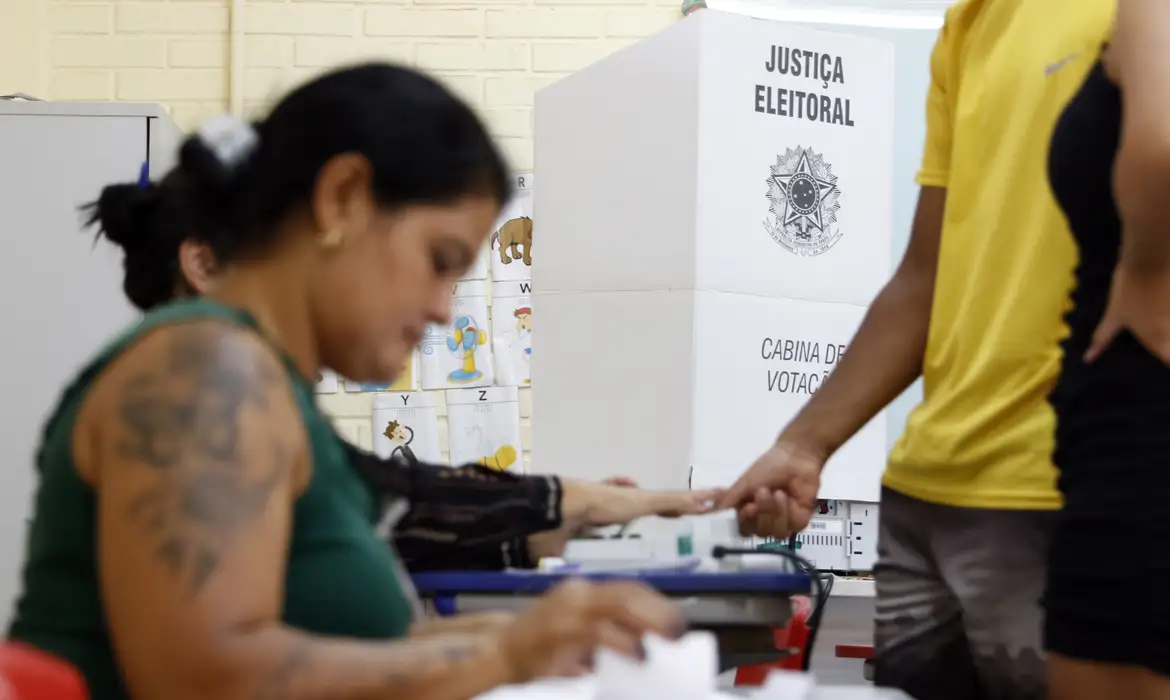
[792,637]
[855,651]
[30,674]
[859,651]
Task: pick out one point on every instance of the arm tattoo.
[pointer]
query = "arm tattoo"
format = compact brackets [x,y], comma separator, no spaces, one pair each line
[305,673]
[182,418]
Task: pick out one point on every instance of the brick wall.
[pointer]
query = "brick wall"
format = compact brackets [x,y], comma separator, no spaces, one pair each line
[496,53]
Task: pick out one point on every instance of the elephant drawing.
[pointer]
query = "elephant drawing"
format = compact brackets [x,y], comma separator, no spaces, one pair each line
[513,235]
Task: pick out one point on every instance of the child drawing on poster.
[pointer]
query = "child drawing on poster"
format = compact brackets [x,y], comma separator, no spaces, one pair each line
[465,340]
[499,459]
[524,335]
[512,334]
[484,427]
[400,435]
[406,425]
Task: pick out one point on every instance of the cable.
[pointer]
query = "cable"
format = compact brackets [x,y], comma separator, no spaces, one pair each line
[819,585]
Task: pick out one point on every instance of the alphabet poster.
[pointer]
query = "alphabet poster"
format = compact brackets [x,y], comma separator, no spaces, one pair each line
[327,382]
[512,332]
[484,427]
[511,240]
[405,381]
[406,423]
[459,355]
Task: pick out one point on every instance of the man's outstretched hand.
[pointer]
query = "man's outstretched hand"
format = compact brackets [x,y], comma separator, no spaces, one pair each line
[776,496]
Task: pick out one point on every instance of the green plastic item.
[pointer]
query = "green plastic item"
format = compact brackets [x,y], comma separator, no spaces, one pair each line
[690,6]
[773,545]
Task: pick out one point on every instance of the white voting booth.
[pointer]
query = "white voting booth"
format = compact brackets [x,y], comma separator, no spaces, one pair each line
[715,216]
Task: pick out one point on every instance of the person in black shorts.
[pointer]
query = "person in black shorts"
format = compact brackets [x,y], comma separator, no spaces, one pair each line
[1108,592]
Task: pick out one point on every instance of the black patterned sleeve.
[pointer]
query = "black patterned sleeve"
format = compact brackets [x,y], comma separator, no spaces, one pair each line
[465,518]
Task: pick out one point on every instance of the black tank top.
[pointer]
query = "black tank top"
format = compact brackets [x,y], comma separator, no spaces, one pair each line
[1080,169]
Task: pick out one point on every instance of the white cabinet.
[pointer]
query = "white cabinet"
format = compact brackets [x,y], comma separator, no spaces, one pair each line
[60,294]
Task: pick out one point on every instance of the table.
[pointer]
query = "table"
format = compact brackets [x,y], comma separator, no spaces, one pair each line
[740,607]
[857,692]
[830,692]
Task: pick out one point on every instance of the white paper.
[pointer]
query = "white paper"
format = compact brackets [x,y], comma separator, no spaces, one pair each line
[327,382]
[788,685]
[483,426]
[680,670]
[510,244]
[406,421]
[512,332]
[459,355]
[548,689]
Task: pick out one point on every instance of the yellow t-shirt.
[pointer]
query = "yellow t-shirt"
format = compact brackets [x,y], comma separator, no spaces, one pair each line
[1001,73]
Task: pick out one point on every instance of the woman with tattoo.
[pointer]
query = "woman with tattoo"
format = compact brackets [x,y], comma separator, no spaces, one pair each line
[198,529]
[466,518]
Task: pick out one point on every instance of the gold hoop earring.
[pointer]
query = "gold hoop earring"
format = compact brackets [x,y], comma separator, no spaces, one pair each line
[332,238]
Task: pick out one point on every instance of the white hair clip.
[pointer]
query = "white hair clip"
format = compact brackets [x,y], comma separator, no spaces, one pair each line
[229,139]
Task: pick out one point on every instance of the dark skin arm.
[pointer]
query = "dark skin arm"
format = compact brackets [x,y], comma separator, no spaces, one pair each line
[194,446]
[777,494]
[886,354]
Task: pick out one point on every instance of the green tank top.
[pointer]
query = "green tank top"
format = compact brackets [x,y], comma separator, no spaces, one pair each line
[341,579]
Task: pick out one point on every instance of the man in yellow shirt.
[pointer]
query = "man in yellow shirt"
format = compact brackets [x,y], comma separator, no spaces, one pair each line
[974,308]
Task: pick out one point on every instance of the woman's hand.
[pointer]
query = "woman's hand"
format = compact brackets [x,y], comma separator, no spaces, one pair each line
[586,505]
[559,633]
[1139,301]
[475,623]
[617,505]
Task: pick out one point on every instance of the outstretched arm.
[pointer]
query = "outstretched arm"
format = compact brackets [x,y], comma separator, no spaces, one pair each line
[193,444]
[469,517]
[474,518]
[886,354]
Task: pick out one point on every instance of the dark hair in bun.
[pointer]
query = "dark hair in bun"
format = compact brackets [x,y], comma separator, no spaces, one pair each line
[128,216]
[235,183]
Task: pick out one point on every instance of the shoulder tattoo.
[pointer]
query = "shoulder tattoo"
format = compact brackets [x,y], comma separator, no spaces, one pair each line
[182,418]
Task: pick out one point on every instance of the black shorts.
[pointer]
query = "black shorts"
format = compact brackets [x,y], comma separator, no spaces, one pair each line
[1109,562]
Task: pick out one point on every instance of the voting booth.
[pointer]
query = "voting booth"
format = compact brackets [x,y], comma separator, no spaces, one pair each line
[715,214]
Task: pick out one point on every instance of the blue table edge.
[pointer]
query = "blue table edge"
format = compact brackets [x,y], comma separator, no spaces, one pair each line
[448,583]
